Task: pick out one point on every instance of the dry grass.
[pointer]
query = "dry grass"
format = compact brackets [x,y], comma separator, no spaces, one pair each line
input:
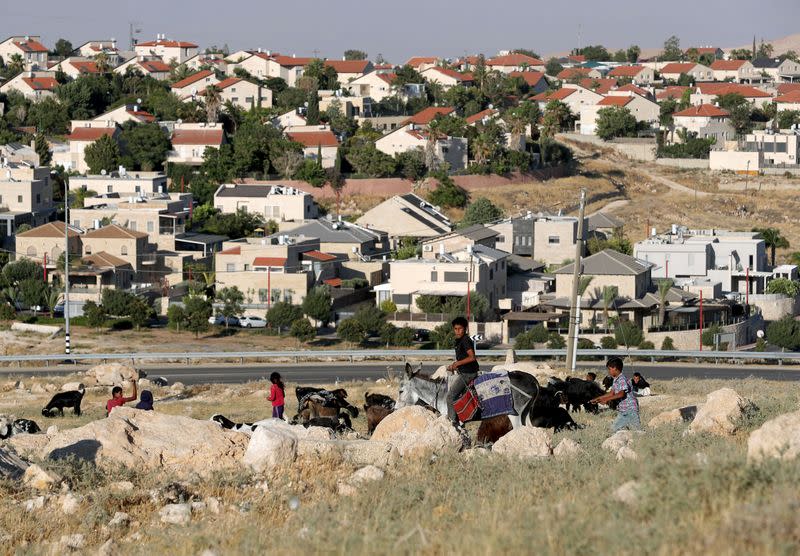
[476,505]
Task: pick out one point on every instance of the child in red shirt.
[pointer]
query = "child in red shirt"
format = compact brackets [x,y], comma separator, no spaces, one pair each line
[276,395]
[117,399]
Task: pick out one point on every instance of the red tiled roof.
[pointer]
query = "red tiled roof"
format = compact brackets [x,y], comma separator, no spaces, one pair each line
[631,88]
[626,71]
[560,94]
[569,73]
[225,83]
[785,88]
[417,61]
[142,115]
[514,59]
[427,115]
[168,44]
[532,78]
[704,110]
[197,137]
[348,66]
[333,282]
[792,97]
[51,229]
[194,78]
[599,86]
[388,77]
[727,65]
[615,101]
[155,66]
[291,61]
[269,261]
[319,256]
[314,138]
[90,133]
[41,83]
[475,118]
[704,49]
[729,88]
[678,67]
[30,46]
[577,57]
[231,251]
[84,66]
[452,73]
[673,91]
[383,66]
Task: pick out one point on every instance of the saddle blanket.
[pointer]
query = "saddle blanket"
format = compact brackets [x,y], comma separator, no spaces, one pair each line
[494,394]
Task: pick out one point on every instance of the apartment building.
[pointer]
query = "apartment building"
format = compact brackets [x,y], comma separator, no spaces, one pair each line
[545,238]
[83,134]
[121,182]
[190,141]
[25,198]
[273,202]
[170,51]
[33,85]
[459,240]
[29,47]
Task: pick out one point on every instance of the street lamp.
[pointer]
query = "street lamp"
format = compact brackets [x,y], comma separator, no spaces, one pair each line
[66,266]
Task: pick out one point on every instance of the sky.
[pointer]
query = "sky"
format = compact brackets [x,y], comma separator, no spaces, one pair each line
[405,28]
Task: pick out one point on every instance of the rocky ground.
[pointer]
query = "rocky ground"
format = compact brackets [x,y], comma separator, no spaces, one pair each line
[714,472]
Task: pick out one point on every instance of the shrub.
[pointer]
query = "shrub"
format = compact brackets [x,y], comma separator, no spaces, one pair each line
[318,304]
[556,341]
[608,342]
[176,317]
[585,343]
[388,306]
[709,333]
[443,336]
[371,319]
[785,286]
[7,312]
[429,303]
[668,344]
[303,330]
[525,340]
[282,315]
[387,333]
[404,337]
[761,345]
[350,330]
[539,333]
[784,333]
[647,344]
[355,283]
[628,334]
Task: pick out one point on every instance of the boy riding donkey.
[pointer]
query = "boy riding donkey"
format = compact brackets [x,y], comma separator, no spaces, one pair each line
[465,369]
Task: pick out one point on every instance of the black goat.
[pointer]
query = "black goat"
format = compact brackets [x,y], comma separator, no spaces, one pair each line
[61,400]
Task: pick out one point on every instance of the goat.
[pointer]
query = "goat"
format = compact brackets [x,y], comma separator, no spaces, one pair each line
[226,423]
[491,430]
[17,426]
[59,401]
[577,392]
[556,418]
[378,400]
[375,414]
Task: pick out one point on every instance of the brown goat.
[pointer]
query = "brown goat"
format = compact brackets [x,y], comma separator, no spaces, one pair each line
[491,430]
[375,414]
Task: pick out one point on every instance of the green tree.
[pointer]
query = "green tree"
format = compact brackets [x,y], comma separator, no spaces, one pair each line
[63,48]
[672,49]
[282,314]
[429,303]
[632,54]
[481,211]
[351,331]
[117,303]
[49,116]
[371,318]
[231,299]
[411,164]
[553,67]
[318,305]
[530,338]
[7,312]
[447,193]
[353,54]
[610,294]
[608,342]
[387,333]
[785,286]
[95,314]
[404,337]
[788,118]
[140,311]
[773,239]
[176,317]
[664,287]
[616,121]
[628,334]
[212,97]
[388,306]
[556,341]
[291,98]
[557,117]
[197,311]
[103,154]
[765,50]
[43,150]
[784,333]
[668,344]
[740,111]
[596,52]
[33,292]
[443,336]
[312,112]
[408,249]
[311,172]
[52,298]
[147,145]
[303,330]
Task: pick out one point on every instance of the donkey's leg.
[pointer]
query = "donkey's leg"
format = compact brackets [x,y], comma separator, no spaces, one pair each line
[516,421]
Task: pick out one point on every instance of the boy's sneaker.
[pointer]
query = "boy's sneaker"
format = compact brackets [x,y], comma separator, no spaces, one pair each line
[466,441]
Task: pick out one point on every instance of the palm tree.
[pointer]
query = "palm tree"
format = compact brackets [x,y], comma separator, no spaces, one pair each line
[773,240]
[794,258]
[664,286]
[53,299]
[16,64]
[481,148]
[213,102]
[583,284]
[12,294]
[435,133]
[516,127]
[609,295]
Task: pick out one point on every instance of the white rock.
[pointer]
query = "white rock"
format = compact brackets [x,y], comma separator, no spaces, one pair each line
[213,505]
[366,474]
[108,548]
[145,384]
[70,504]
[176,514]
[722,413]
[673,416]
[346,489]
[525,442]
[417,432]
[112,374]
[177,387]
[120,520]
[198,507]
[51,430]
[619,439]
[50,387]
[567,448]
[69,386]
[39,479]
[626,453]
[628,493]
[73,542]
[777,438]
[36,503]
[37,388]
[270,448]
[121,486]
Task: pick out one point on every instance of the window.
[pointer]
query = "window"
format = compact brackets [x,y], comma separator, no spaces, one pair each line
[230,267]
[402,299]
[434,276]
[248,100]
[553,240]
[235,99]
[76,223]
[491,274]
[750,261]
[445,150]
[150,226]
[246,267]
[19,198]
[1,199]
[109,189]
[138,189]
[456,277]
[132,226]
[38,198]
[87,249]
[501,239]
[123,250]
[31,251]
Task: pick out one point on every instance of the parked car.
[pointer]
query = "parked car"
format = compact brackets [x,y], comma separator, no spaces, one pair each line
[250,321]
[422,335]
[220,320]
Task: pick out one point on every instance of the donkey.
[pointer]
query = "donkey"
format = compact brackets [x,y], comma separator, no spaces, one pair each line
[528,396]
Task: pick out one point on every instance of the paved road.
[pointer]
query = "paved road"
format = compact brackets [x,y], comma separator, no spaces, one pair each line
[331,372]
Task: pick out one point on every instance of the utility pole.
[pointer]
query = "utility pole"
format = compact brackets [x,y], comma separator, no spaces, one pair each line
[574,310]
[66,266]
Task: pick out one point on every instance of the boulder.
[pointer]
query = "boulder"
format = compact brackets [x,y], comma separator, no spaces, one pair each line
[177,388]
[370,452]
[112,374]
[417,432]
[366,474]
[37,388]
[777,438]
[143,440]
[72,542]
[674,416]
[626,453]
[69,386]
[69,503]
[51,430]
[618,440]
[119,521]
[121,487]
[39,479]
[33,504]
[567,448]
[11,465]
[176,514]
[270,447]
[722,413]
[525,442]
[628,493]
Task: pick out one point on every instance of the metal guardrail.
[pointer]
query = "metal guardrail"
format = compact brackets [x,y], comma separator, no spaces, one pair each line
[403,355]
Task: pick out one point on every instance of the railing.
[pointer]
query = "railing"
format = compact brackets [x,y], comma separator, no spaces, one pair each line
[403,355]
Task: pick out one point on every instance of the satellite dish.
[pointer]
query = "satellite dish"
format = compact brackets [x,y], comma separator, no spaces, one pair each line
[103,172]
[760,333]
[138,101]
[180,121]
[194,90]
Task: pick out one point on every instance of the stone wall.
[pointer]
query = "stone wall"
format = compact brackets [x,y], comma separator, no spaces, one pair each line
[685,163]
[775,306]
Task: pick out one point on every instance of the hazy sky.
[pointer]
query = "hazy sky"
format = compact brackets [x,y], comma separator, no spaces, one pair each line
[403,28]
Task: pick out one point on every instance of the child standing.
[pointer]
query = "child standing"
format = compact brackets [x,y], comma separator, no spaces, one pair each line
[276,395]
[621,390]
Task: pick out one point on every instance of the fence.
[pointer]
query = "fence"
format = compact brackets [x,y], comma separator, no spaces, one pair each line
[401,355]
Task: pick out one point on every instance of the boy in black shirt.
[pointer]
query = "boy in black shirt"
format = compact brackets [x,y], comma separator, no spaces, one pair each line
[465,367]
